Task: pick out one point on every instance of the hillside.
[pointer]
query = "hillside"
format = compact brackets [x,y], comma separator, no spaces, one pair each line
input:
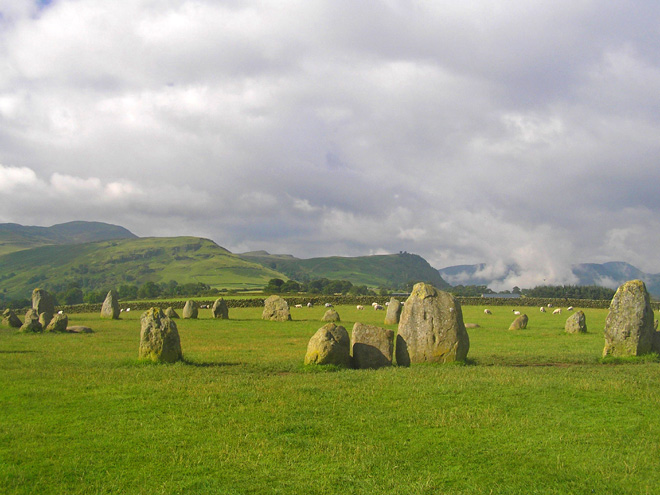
[390,270]
[108,264]
[15,237]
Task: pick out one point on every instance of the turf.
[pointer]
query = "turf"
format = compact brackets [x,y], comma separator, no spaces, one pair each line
[534,411]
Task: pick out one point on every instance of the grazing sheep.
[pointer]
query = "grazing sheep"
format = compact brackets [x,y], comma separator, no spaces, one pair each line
[542,309]
[328,305]
[378,307]
[128,309]
[570,308]
[488,311]
[360,307]
[298,306]
[557,311]
[549,305]
[310,305]
[516,312]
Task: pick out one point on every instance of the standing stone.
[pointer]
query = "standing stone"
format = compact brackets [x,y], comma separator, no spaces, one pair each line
[42,302]
[10,319]
[372,346]
[220,309]
[110,308]
[190,310]
[31,322]
[331,315]
[170,313]
[393,312]
[276,309]
[159,338]
[629,324]
[519,323]
[329,345]
[44,319]
[576,323]
[58,323]
[431,328]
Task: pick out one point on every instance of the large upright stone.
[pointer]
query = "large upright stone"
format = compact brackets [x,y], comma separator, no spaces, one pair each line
[329,345]
[159,338]
[31,323]
[276,309]
[520,323]
[372,346]
[331,316]
[171,313]
[58,323]
[393,314]
[42,302]
[10,319]
[220,309]
[576,323]
[190,310]
[629,324]
[431,329]
[110,308]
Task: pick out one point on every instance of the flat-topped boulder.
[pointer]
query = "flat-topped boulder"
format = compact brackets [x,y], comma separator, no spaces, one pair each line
[58,323]
[431,329]
[576,323]
[190,310]
[629,324]
[159,338]
[520,323]
[329,345]
[110,308]
[393,314]
[276,309]
[9,319]
[372,346]
[220,310]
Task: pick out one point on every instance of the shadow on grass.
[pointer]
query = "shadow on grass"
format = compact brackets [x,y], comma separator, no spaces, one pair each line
[208,364]
[17,352]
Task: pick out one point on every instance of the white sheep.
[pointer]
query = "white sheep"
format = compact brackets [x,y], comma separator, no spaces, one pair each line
[488,311]
[378,307]
[298,305]
[128,309]
[360,307]
[542,309]
[328,305]
[557,311]
[570,308]
[516,312]
[310,305]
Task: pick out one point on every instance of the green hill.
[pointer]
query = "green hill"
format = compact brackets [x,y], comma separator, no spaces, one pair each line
[108,264]
[15,237]
[390,270]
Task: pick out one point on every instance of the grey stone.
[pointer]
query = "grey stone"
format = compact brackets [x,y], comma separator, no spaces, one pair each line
[393,315]
[79,329]
[31,323]
[331,315]
[431,328]
[44,319]
[520,323]
[170,313]
[58,323]
[372,346]
[629,324]
[329,345]
[159,338]
[43,302]
[10,319]
[220,309]
[110,308]
[576,323]
[190,310]
[276,309]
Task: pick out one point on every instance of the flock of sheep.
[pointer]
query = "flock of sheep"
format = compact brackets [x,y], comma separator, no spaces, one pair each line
[556,311]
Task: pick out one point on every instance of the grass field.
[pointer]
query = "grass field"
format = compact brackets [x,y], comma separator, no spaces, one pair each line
[534,411]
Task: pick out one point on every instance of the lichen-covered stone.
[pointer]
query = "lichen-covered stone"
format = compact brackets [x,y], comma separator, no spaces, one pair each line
[431,329]
[629,324]
[110,308]
[331,315]
[190,310]
[58,323]
[31,323]
[576,323]
[159,338]
[372,346]
[276,309]
[171,313]
[520,323]
[393,314]
[329,345]
[10,319]
[43,302]
[220,309]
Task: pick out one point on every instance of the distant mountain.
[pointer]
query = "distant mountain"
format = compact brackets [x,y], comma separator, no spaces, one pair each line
[609,275]
[108,264]
[15,237]
[390,270]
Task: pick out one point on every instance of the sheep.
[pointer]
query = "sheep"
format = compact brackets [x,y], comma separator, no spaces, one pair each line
[360,307]
[310,305]
[488,311]
[328,305]
[516,312]
[298,305]
[549,305]
[374,304]
[557,311]
[378,307]
[128,309]
[60,312]
[542,309]
[570,308]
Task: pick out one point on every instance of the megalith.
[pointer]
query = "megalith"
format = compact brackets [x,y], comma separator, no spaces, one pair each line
[220,309]
[629,324]
[576,323]
[171,313]
[331,315]
[42,302]
[159,338]
[58,323]
[393,314]
[372,346]
[329,345]
[10,319]
[31,323]
[110,308]
[520,323]
[276,309]
[190,310]
[431,329]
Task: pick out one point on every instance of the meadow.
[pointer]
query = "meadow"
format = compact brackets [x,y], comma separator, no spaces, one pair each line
[533,411]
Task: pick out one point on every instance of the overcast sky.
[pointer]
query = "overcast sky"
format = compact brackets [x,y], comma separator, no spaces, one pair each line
[474,131]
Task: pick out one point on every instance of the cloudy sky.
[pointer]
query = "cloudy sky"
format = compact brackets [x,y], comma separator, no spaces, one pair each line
[466,132]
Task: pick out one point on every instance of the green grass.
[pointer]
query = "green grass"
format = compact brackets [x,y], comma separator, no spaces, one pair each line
[534,411]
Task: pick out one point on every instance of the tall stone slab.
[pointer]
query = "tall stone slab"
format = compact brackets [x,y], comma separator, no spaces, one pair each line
[329,345]
[431,329]
[372,346]
[276,309]
[393,315]
[10,319]
[190,310]
[110,308]
[43,302]
[520,323]
[576,323]
[220,309]
[629,324]
[159,338]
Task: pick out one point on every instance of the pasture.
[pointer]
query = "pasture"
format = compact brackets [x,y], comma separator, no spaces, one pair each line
[533,411]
